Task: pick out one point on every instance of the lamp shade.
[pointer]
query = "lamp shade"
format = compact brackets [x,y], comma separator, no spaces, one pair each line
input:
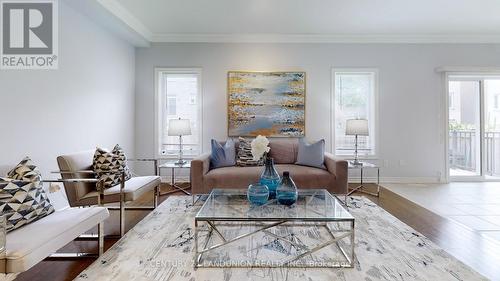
[179,127]
[356,127]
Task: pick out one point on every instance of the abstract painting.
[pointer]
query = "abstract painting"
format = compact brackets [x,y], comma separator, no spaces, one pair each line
[271,104]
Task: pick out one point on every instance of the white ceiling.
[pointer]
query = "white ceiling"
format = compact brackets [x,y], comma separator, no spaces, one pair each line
[312,20]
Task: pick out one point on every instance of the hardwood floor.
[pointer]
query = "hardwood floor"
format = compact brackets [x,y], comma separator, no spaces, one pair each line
[466,245]
[478,252]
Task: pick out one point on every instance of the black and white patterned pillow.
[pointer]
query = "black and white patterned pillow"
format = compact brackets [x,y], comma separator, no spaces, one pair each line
[108,167]
[121,153]
[245,157]
[22,198]
[26,170]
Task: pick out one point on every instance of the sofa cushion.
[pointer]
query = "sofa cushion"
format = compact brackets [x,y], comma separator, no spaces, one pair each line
[283,151]
[118,150]
[108,167]
[22,202]
[245,157]
[307,177]
[241,177]
[222,156]
[26,170]
[30,244]
[233,177]
[134,188]
[311,154]
[22,198]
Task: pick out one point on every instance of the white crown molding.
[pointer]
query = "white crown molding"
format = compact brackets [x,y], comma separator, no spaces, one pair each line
[128,18]
[327,38]
[468,69]
[112,16]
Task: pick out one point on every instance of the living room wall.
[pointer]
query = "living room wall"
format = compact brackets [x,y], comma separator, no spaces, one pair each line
[411,139]
[88,101]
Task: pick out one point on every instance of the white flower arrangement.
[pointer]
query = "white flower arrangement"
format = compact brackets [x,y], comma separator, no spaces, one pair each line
[259,147]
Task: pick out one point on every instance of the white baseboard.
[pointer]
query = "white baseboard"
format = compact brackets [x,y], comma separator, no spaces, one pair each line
[395,180]
[167,179]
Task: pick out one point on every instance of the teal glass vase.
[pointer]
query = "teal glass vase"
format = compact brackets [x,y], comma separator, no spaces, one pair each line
[287,190]
[270,177]
[257,194]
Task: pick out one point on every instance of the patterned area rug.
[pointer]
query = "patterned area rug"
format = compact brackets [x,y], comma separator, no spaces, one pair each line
[160,247]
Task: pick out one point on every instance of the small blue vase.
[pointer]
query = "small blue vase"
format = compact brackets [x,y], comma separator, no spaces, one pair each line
[257,194]
[270,177]
[287,190]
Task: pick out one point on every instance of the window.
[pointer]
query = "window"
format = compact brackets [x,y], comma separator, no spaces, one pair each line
[451,100]
[178,95]
[171,106]
[354,96]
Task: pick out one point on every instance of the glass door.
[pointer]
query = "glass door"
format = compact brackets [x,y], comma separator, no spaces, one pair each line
[464,120]
[492,128]
[474,127]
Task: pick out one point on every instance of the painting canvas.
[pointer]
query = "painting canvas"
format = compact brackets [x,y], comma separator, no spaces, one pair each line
[271,104]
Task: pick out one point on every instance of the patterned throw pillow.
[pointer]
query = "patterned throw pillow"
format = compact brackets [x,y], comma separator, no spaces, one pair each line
[26,170]
[22,198]
[245,157]
[121,153]
[108,167]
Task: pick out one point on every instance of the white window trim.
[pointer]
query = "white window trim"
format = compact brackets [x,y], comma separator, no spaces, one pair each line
[158,105]
[376,112]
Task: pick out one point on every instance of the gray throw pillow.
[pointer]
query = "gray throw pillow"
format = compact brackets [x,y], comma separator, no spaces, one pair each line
[312,155]
[222,156]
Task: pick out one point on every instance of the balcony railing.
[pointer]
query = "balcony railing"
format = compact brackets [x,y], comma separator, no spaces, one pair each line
[464,147]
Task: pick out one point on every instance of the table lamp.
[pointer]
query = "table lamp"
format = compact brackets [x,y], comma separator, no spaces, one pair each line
[179,127]
[356,127]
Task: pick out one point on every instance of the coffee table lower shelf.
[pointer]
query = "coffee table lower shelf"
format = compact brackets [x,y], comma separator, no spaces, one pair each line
[336,236]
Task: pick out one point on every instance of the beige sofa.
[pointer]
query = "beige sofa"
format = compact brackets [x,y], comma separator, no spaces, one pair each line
[284,153]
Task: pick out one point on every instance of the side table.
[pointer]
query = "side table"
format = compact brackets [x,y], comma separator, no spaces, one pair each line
[173,166]
[361,168]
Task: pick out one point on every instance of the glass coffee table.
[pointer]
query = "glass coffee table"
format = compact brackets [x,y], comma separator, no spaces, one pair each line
[317,231]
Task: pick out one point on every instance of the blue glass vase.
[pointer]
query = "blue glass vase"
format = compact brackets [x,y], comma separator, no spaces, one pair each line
[270,177]
[287,190]
[257,194]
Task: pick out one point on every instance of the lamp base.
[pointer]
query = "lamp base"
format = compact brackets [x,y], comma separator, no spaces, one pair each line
[356,162]
[180,162]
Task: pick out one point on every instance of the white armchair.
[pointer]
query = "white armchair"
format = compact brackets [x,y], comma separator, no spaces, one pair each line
[79,166]
[26,246]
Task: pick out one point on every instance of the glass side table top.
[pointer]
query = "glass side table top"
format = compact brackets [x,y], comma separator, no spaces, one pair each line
[174,165]
[365,165]
[312,205]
